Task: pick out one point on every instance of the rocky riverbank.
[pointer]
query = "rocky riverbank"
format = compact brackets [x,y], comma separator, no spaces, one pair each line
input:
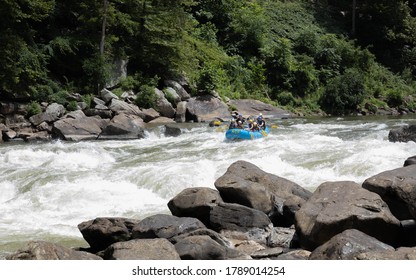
[252,214]
[110,117]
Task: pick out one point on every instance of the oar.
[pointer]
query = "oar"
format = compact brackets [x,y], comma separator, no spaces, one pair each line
[275,126]
[264,133]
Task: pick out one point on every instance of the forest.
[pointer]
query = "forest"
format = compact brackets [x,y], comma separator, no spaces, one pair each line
[309,56]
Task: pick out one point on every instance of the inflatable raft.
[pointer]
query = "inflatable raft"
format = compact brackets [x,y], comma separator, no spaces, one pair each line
[237,133]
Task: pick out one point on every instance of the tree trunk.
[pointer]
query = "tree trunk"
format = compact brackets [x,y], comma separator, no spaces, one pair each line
[103,27]
[354,7]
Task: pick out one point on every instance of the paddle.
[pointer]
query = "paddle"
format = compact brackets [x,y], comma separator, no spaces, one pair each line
[221,128]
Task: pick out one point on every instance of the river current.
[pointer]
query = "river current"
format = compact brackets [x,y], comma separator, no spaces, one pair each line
[47,189]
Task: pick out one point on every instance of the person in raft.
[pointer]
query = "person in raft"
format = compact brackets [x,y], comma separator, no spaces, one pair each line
[252,126]
[232,124]
[260,122]
[240,125]
[240,119]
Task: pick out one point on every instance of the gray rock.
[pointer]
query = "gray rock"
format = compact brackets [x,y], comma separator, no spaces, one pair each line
[246,184]
[184,95]
[102,232]
[337,206]
[180,116]
[119,106]
[148,249]
[163,106]
[403,134]
[410,161]
[200,248]
[150,114]
[123,127]
[107,95]
[87,128]
[397,188]
[41,250]
[251,107]
[206,108]
[195,202]
[297,254]
[347,245]
[172,131]
[165,226]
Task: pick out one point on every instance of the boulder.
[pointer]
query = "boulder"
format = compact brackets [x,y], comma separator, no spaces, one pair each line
[107,96]
[163,106]
[180,116]
[123,127]
[246,184]
[10,108]
[137,249]
[183,94]
[41,250]
[161,120]
[251,107]
[402,253]
[165,226]
[410,161]
[102,232]
[268,253]
[297,254]
[207,232]
[347,245]
[172,131]
[172,95]
[338,206]
[403,134]
[102,113]
[88,128]
[206,108]
[397,188]
[150,114]
[240,222]
[201,247]
[52,113]
[195,202]
[119,106]
[283,237]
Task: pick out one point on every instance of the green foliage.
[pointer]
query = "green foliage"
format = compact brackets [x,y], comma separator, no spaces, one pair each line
[146,98]
[87,99]
[343,94]
[72,106]
[33,108]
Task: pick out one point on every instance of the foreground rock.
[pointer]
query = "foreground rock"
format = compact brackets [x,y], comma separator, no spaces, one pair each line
[246,184]
[410,161]
[206,108]
[102,232]
[337,206]
[40,250]
[398,189]
[145,249]
[348,245]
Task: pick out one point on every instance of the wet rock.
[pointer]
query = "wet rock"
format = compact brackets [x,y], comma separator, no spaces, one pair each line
[102,232]
[123,127]
[410,161]
[251,107]
[403,134]
[297,254]
[337,206]
[88,128]
[195,202]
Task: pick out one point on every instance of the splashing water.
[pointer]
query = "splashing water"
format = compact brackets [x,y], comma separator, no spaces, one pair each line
[47,189]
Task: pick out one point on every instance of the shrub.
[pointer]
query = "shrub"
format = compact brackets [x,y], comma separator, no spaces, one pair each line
[343,94]
[33,108]
[146,97]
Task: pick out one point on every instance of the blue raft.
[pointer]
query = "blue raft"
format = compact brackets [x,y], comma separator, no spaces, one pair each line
[237,133]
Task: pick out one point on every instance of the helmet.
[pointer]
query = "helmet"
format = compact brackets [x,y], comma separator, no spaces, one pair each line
[259,117]
[240,115]
[250,120]
[232,120]
[260,114]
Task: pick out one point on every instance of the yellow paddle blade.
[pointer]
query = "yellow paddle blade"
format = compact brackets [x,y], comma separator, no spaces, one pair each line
[275,126]
[264,133]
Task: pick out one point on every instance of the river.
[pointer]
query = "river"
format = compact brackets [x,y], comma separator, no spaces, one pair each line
[47,189]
